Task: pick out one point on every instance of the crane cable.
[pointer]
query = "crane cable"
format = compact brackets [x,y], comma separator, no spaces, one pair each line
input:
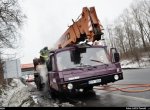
[112,88]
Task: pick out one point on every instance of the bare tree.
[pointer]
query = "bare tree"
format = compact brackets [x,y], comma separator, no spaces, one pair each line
[120,38]
[132,31]
[11,19]
[145,12]
[109,29]
[138,18]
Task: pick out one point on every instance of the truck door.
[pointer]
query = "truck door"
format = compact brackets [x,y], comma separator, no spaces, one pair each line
[52,72]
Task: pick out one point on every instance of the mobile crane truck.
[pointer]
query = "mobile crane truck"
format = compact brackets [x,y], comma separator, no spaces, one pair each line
[74,66]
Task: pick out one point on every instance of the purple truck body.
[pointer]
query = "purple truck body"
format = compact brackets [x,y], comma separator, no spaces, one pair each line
[84,77]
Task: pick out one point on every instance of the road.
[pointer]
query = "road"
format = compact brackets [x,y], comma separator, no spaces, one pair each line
[123,99]
[97,98]
[103,98]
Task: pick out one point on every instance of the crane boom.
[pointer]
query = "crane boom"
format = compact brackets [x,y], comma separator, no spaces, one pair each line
[86,27]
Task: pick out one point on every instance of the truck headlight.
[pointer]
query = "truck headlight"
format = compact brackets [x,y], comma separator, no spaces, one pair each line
[70,86]
[116,77]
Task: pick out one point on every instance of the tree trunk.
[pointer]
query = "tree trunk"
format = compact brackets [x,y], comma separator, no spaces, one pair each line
[1,75]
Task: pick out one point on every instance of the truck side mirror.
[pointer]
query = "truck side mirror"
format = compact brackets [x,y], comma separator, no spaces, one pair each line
[114,55]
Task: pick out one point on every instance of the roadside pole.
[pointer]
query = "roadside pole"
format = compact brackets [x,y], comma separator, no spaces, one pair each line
[17,70]
[6,74]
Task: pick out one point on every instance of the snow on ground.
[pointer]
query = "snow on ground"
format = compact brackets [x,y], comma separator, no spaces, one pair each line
[143,63]
[15,94]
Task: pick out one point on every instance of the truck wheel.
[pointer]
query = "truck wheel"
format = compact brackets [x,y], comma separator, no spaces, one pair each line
[38,84]
[52,93]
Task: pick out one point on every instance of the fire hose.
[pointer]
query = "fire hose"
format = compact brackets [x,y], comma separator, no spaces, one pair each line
[113,87]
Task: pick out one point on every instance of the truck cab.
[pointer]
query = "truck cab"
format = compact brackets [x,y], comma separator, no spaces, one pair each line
[81,67]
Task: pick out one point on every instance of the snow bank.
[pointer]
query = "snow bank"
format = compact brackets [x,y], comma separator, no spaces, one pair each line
[15,94]
[66,104]
[143,63]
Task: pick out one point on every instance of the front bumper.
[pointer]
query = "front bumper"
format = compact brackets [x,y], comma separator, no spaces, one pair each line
[83,83]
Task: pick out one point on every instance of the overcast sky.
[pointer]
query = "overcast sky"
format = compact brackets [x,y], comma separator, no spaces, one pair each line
[47,20]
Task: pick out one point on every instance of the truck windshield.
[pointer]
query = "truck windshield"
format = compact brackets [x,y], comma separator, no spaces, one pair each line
[92,57]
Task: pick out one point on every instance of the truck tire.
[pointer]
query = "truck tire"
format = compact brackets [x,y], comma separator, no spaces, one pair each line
[38,83]
[53,93]
[35,78]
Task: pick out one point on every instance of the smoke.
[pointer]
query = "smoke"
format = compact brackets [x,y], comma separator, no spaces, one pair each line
[42,69]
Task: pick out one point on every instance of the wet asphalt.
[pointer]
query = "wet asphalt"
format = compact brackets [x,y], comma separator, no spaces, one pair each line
[104,98]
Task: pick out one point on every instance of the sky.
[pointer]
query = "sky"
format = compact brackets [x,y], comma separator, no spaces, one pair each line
[47,20]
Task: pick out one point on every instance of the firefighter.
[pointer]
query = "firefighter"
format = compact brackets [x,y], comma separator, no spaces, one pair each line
[42,69]
[44,54]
